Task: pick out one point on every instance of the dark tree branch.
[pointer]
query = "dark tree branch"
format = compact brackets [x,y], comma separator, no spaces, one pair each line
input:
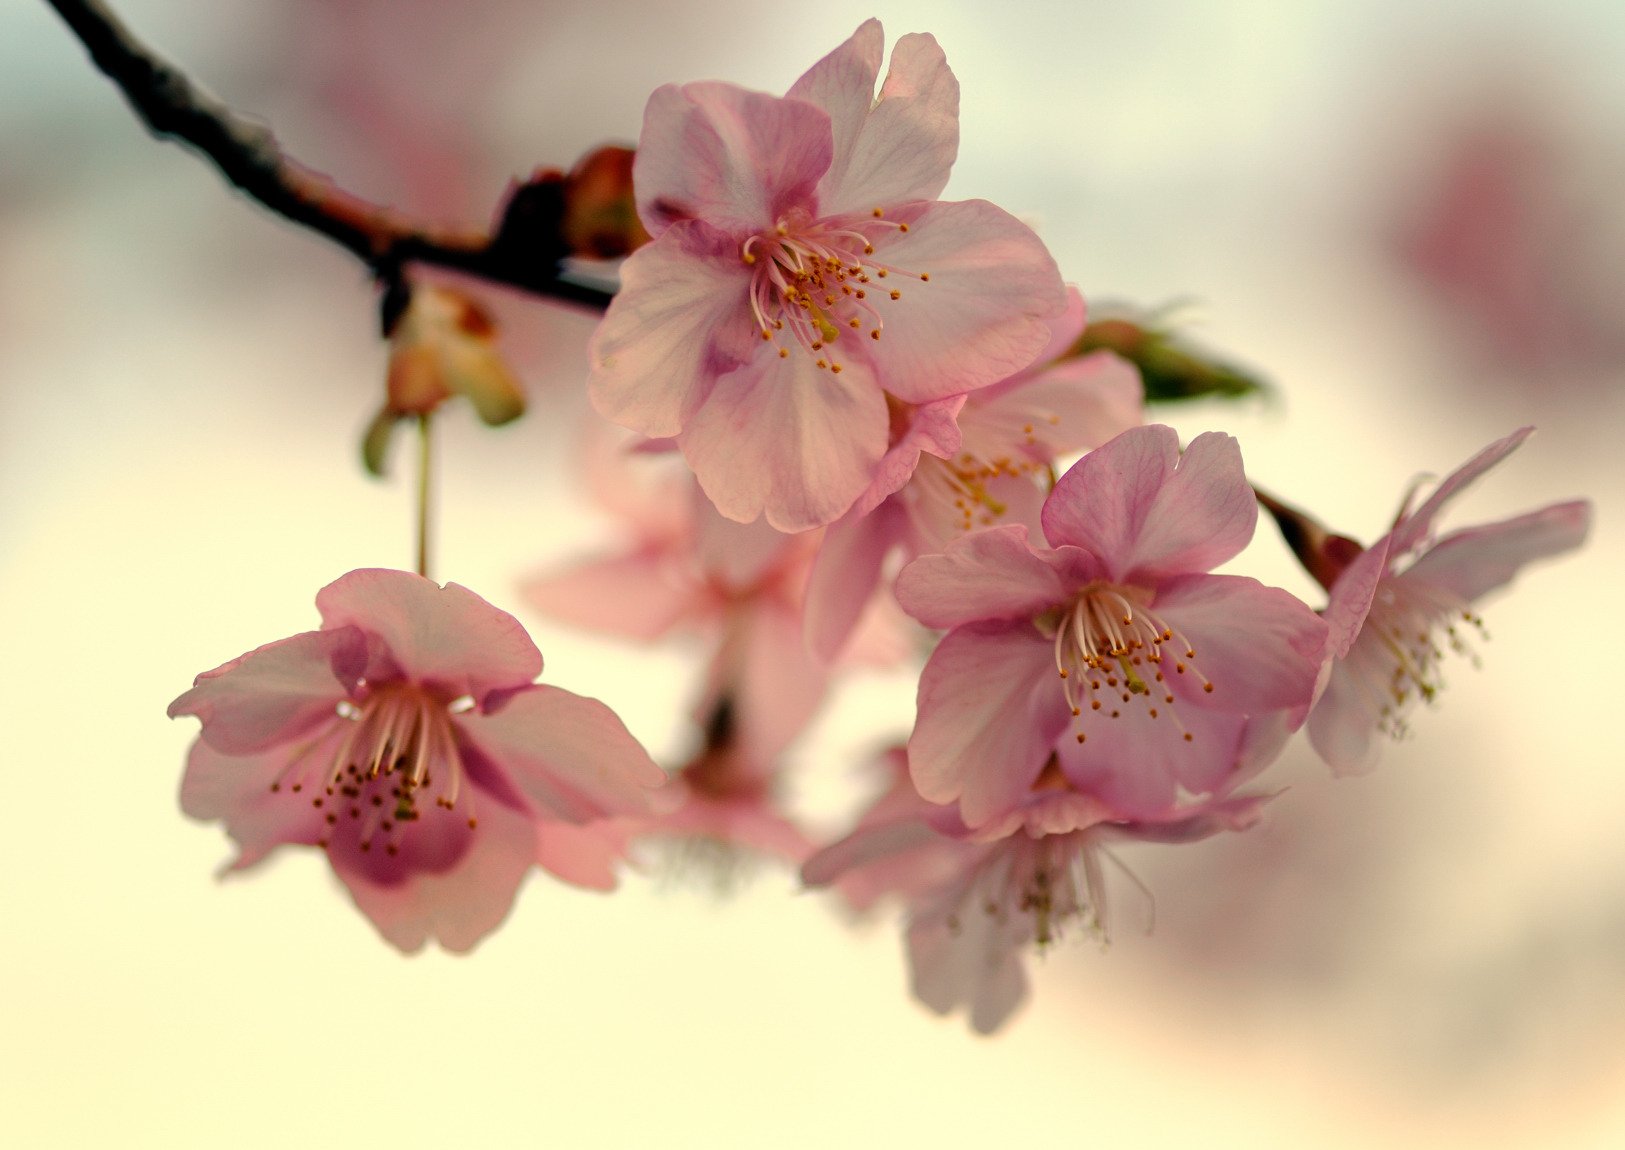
[171,106]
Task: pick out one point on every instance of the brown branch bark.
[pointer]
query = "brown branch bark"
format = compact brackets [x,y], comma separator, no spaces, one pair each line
[248,155]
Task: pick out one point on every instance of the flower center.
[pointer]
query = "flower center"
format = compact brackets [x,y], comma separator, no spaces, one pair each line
[1405,621]
[818,279]
[392,747]
[1112,653]
[1052,880]
[997,443]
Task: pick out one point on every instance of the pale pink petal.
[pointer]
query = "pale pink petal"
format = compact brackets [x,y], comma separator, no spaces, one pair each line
[1260,647]
[992,574]
[868,845]
[445,637]
[934,428]
[737,555]
[1414,528]
[586,856]
[236,789]
[1351,596]
[787,439]
[1149,512]
[1478,560]
[983,313]
[569,756]
[1137,765]
[1079,403]
[735,158]
[990,708]
[903,147]
[780,684]
[843,85]
[681,318]
[1235,814]
[275,693]
[1343,725]
[1064,331]
[846,575]
[640,596]
[970,959]
[456,907]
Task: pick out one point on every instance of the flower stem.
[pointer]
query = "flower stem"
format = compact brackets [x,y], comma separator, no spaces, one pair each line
[423,493]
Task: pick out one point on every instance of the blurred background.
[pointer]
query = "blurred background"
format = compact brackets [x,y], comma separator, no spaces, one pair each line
[1411,218]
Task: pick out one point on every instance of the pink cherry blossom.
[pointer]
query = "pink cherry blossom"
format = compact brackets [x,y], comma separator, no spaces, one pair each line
[977,900]
[731,813]
[1112,647]
[1395,606]
[803,270]
[683,569]
[969,462]
[412,692]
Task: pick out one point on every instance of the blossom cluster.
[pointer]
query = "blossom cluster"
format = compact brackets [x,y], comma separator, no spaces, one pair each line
[875,395]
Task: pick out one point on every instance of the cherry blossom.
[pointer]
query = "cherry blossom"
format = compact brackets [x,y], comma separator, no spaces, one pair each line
[1396,606]
[802,271]
[968,462]
[978,900]
[1111,648]
[683,569]
[412,692]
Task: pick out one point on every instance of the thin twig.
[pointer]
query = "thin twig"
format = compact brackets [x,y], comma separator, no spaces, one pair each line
[248,155]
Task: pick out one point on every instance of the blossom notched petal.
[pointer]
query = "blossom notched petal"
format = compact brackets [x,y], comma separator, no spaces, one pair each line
[412,691]
[1397,606]
[802,272]
[1156,669]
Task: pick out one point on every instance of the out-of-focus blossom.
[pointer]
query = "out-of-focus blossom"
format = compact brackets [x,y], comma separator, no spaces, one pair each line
[802,271]
[442,344]
[731,812]
[1111,648]
[686,569]
[978,899]
[969,462]
[1396,606]
[408,739]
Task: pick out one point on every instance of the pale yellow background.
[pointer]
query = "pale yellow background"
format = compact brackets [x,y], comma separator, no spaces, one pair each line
[1431,956]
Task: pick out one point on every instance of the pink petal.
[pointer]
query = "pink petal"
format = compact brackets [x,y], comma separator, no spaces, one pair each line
[737,555]
[585,856]
[898,148]
[990,708]
[932,427]
[236,789]
[1342,726]
[681,318]
[780,685]
[1351,596]
[447,637]
[992,574]
[457,907]
[640,596]
[982,315]
[1137,765]
[846,575]
[275,693]
[1149,512]
[970,959]
[1478,560]
[571,757]
[1259,646]
[1078,403]
[786,438]
[1234,814]
[734,158]
[1415,527]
